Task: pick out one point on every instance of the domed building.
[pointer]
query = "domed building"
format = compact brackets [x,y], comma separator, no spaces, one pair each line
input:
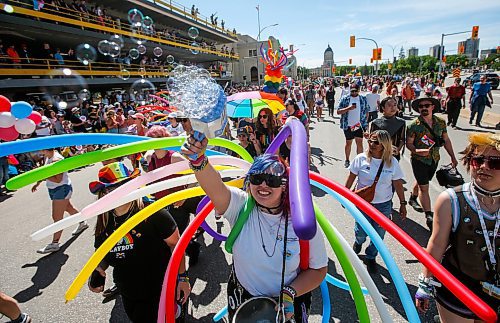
[328,62]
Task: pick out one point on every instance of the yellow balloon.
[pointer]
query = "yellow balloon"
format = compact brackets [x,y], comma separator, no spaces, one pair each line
[137,218]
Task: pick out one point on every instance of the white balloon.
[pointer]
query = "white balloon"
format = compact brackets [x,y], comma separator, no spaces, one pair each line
[7,120]
[25,126]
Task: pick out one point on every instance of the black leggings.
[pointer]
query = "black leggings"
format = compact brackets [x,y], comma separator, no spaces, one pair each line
[146,310]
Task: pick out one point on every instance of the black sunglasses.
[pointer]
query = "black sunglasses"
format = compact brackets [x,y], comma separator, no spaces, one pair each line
[428,105]
[263,116]
[492,162]
[181,119]
[272,181]
[354,90]
[375,142]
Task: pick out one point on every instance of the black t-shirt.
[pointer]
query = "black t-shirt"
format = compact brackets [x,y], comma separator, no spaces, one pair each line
[395,126]
[76,120]
[140,259]
[250,149]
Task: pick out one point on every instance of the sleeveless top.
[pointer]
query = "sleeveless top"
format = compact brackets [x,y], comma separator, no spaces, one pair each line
[156,163]
[467,251]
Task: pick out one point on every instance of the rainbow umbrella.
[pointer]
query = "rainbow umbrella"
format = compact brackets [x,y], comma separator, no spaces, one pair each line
[248,104]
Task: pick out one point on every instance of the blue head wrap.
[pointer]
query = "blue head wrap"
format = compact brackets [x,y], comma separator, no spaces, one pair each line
[265,163]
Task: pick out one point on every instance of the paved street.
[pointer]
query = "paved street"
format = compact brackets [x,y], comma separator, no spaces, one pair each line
[39,282]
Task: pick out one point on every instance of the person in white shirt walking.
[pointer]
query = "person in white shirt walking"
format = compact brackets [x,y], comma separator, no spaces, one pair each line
[60,191]
[373,99]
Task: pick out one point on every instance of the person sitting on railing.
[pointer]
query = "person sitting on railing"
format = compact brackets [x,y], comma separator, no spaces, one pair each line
[193,10]
[232,51]
[222,24]
[234,30]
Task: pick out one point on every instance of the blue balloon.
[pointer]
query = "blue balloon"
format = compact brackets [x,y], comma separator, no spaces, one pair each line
[21,109]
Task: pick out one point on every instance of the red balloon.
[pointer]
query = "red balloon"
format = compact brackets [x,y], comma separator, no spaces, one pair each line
[8,134]
[36,117]
[4,104]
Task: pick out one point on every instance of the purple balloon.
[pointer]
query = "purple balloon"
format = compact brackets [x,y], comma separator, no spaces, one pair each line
[208,229]
[301,205]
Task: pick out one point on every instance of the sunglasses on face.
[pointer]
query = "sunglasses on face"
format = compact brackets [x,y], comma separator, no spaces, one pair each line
[182,120]
[373,142]
[272,181]
[492,162]
[426,106]
[354,91]
[263,116]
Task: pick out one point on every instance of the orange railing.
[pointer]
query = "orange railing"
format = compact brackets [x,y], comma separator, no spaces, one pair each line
[52,68]
[59,14]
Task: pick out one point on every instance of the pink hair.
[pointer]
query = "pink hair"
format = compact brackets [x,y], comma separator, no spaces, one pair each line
[157,132]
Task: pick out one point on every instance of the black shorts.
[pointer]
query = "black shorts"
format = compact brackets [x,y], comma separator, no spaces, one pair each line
[449,301]
[423,172]
[350,135]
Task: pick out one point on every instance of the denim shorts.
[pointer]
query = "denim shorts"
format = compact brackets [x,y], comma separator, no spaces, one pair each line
[62,192]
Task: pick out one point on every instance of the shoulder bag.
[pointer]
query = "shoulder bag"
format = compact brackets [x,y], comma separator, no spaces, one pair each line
[367,193]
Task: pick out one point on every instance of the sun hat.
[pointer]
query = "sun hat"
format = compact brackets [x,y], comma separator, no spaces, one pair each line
[112,174]
[435,102]
[172,115]
[139,116]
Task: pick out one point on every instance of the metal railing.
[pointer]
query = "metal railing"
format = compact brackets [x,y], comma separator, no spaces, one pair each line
[186,12]
[60,14]
[53,68]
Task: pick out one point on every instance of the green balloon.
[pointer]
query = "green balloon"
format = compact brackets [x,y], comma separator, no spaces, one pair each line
[350,274]
[68,164]
[240,222]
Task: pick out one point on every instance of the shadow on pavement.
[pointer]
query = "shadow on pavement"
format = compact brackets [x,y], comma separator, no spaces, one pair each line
[317,153]
[419,233]
[483,129]
[47,270]
[118,314]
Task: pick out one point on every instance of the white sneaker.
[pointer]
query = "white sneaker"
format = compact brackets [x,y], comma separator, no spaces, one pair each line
[51,247]
[80,228]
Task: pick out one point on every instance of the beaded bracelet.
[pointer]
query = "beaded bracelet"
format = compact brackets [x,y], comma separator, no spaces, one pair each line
[200,167]
[290,290]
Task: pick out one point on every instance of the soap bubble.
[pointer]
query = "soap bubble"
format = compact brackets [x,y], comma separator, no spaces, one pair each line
[133,53]
[195,48]
[84,95]
[140,89]
[147,22]
[142,72]
[157,51]
[8,8]
[193,32]
[85,53]
[141,49]
[71,83]
[114,49]
[135,17]
[104,47]
[136,36]
[170,59]
[194,91]
[117,39]
[124,74]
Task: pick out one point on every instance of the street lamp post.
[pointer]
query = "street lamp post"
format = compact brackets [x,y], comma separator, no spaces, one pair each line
[376,46]
[441,51]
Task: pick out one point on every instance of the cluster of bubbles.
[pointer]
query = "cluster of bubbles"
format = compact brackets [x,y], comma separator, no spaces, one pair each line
[193,90]
[193,33]
[111,47]
[85,53]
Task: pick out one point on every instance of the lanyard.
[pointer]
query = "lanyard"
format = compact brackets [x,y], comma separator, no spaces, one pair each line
[491,250]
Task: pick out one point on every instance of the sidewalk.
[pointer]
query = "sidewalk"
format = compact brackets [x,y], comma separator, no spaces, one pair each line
[489,118]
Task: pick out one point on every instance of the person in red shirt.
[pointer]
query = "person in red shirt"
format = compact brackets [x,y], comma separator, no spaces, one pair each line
[408,95]
[14,56]
[454,101]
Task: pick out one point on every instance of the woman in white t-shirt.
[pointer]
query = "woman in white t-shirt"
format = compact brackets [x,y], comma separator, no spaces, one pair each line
[258,250]
[365,167]
[60,191]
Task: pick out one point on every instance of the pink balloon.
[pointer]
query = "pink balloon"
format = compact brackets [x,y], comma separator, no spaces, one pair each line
[9,134]
[4,104]
[36,117]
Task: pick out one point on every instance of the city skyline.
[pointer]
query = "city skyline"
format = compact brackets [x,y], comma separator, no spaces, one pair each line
[415,24]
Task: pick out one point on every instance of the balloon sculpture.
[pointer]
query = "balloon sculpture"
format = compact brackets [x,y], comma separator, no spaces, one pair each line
[275,59]
[17,118]
[306,217]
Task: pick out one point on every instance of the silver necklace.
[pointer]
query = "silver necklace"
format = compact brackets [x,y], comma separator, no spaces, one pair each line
[262,237]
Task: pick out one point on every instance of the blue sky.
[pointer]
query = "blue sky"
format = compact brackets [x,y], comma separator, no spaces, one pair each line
[417,23]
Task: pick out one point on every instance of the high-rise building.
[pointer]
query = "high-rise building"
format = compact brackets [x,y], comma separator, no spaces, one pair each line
[469,48]
[436,50]
[412,52]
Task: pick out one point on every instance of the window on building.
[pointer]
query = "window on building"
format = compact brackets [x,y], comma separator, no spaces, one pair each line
[252,52]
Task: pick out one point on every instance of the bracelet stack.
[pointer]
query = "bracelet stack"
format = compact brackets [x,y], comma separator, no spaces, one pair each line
[183,278]
[201,166]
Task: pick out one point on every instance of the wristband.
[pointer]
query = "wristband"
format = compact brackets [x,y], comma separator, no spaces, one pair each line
[183,279]
[290,290]
[200,167]
[403,202]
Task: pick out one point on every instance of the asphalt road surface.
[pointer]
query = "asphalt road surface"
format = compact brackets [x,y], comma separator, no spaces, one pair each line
[39,282]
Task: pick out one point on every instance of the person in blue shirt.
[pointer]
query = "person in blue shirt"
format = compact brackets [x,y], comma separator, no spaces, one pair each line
[478,99]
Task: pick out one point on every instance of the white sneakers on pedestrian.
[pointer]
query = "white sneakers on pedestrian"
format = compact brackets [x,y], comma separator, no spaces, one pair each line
[80,228]
[51,247]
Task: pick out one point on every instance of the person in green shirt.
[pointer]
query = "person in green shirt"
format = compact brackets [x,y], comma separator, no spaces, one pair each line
[424,146]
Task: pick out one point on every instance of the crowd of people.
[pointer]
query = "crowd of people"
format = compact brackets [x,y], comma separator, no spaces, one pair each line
[382,123]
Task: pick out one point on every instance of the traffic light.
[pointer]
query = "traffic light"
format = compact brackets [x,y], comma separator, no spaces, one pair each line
[333,69]
[389,66]
[461,48]
[371,60]
[379,54]
[350,61]
[353,41]
[444,58]
[374,54]
[475,32]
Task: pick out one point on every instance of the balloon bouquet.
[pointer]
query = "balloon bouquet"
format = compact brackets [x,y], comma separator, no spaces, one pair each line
[191,89]
[17,118]
[275,59]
